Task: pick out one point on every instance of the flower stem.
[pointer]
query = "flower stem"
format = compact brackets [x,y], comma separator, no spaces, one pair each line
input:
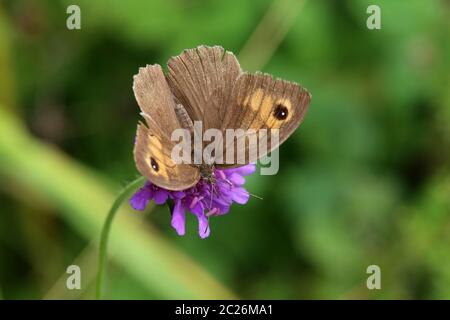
[102,257]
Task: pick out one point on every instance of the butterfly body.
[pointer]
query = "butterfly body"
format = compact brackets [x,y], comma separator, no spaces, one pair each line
[207,85]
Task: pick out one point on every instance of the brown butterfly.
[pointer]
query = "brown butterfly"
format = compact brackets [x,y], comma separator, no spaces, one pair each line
[207,84]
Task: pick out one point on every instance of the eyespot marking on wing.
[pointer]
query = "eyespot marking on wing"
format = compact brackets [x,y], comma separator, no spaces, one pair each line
[280,112]
[154,164]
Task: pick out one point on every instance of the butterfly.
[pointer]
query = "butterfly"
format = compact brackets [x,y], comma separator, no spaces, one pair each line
[207,84]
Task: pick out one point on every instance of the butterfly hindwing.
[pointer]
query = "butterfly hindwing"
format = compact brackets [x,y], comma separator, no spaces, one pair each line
[152,153]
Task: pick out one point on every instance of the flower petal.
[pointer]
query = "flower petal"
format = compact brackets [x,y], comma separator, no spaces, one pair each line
[203,226]
[161,196]
[178,218]
[244,170]
[237,179]
[177,194]
[197,209]
[240,195]
[140,199]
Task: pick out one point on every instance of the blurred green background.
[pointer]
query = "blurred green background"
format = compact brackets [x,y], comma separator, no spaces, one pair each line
[365,180]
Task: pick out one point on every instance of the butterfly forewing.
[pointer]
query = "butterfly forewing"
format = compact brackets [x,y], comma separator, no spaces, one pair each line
[202,80]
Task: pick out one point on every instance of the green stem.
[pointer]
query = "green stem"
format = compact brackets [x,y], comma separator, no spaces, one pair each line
[125,194]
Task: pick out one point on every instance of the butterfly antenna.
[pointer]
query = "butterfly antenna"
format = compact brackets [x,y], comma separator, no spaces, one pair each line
[212,191]
[255,196]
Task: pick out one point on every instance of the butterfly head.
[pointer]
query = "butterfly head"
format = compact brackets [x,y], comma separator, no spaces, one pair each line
[207,173]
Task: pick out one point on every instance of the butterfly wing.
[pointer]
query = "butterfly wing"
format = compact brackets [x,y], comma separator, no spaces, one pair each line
[202,81]
[155,98]
[153,147]
[209,84]
[261,102]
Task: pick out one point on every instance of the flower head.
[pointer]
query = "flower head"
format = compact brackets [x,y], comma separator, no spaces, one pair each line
[203,200]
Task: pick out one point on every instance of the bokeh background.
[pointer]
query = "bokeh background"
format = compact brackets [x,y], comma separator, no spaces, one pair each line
[365,180]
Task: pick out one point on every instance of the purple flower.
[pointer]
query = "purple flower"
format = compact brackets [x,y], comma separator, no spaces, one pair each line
[203,199]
